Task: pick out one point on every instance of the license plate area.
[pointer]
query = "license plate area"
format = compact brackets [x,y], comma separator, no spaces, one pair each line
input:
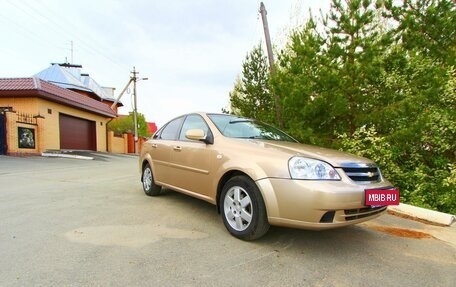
[376,197]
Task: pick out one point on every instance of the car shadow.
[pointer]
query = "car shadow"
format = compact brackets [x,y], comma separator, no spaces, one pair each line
[342,241]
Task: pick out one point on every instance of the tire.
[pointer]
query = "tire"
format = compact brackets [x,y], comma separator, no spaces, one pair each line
[149,186]
[243,210]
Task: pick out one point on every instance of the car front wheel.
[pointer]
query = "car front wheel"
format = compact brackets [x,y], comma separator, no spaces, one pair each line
[149,186]
[243,209]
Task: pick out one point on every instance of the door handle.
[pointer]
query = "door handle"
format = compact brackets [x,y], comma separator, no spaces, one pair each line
[177,148]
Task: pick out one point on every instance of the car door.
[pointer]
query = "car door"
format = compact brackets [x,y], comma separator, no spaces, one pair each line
[192,160]
[160,150]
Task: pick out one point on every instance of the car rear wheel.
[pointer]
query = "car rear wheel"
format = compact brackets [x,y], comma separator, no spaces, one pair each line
[149,186]
[243,209]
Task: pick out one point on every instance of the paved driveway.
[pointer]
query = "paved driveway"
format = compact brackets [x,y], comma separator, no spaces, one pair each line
[69,222]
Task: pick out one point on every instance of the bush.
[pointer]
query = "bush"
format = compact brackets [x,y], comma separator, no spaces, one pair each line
[421,183]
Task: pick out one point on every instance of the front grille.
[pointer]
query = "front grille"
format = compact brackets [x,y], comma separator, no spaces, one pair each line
[363,174]
[352,214]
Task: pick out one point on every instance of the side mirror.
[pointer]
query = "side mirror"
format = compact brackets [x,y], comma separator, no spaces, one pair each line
[198,135]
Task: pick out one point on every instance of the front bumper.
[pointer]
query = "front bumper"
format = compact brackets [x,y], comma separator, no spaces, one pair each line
[310,204]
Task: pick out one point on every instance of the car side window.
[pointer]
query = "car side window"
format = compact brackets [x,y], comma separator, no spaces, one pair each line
[193,122]
[171,130]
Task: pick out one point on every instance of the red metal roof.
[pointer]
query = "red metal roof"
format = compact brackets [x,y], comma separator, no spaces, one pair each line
[35,87]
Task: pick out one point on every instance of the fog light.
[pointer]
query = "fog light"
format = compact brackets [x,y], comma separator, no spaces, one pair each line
[328,217]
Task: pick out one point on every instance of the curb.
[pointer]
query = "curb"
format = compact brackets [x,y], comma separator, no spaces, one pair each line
[428,215]
[62,155]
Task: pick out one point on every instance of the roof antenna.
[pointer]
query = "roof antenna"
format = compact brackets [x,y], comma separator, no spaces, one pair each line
[71,51]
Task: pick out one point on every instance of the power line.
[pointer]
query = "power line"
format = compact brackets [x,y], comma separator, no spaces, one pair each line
[43,19]
[24,30]
[90,39]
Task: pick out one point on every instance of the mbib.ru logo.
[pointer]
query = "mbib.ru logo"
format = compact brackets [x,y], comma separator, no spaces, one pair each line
[377,197]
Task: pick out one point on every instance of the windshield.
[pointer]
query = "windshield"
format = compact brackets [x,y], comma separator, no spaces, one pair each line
[237,127]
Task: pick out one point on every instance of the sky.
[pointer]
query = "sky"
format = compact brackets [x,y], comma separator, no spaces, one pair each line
[191,52]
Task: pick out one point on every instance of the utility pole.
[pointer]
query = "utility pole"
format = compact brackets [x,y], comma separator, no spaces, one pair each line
[135,107]
[267,37]
[133,79]
[263,13]
[121,93]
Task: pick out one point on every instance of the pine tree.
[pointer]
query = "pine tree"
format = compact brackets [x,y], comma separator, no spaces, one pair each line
[251,96]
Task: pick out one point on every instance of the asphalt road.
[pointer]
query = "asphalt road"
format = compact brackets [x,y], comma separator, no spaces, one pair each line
[69,222]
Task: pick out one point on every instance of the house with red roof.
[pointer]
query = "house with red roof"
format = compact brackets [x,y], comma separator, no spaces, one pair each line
[55,109]
[152,127]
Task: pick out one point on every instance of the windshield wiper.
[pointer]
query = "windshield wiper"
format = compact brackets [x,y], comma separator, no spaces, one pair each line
[252,137]
[240,121]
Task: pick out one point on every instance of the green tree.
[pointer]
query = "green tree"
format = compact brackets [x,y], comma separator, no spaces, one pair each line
[125,124]
[251,96]
[426,25]
[415,106]
[376,79]
[328,74]
[355,48]
[298,83]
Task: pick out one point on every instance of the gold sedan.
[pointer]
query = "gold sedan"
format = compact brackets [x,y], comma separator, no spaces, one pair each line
[257,175]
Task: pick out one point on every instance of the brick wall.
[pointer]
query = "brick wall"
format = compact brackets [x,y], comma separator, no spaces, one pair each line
[47,135]
[117,144]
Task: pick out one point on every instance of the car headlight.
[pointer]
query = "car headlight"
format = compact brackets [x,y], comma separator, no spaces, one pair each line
[308,168]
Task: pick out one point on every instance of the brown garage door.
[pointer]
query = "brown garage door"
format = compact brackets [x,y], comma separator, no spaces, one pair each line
[77,133]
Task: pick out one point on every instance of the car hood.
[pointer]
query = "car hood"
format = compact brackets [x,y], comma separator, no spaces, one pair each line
[334,157]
